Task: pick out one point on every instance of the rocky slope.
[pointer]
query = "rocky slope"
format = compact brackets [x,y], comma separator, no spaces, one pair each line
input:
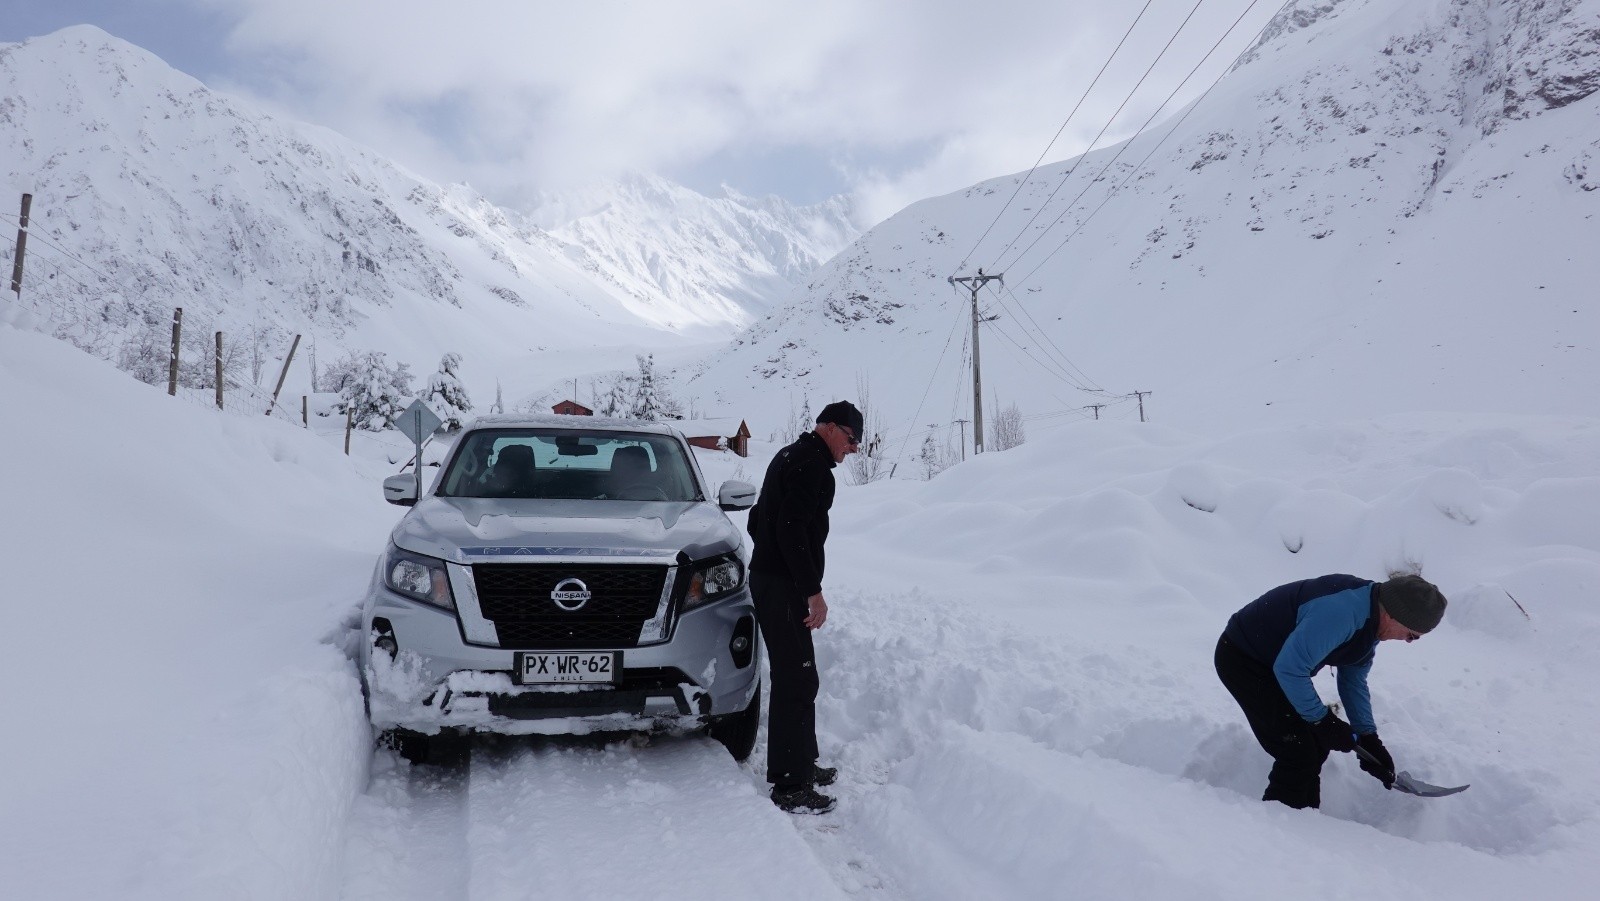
[1398,198]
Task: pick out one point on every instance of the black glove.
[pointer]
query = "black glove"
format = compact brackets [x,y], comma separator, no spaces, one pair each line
[1376,762]
[1334,734]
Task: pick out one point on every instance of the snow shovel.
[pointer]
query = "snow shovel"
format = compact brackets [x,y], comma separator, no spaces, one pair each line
[1404,781]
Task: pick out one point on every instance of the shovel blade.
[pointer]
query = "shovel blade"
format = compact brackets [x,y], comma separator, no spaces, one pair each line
[1404,781]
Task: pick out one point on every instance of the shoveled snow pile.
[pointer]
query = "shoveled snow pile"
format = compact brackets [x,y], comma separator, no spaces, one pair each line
[1016,676]
[1019,684]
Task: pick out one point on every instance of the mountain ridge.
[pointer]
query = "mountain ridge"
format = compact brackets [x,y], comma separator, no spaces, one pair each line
[152,191]
[1377,180]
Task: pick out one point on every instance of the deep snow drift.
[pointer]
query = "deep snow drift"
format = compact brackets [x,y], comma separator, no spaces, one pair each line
[1016,676]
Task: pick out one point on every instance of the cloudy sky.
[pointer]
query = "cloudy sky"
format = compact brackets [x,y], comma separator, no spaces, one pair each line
[888,101]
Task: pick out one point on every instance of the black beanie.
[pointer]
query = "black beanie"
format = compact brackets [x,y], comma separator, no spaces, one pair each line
[1413,601]
[842,412]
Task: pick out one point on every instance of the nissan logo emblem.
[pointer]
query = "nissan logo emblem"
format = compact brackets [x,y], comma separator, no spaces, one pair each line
[570,594]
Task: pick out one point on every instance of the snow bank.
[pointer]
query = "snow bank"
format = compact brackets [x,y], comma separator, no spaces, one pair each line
[1017,670]
[1017,678]
[182,728]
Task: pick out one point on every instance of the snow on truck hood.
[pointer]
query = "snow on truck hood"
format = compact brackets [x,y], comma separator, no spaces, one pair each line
[473,530]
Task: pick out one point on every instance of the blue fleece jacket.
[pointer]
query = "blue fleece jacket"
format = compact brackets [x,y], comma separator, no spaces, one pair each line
[1335,623]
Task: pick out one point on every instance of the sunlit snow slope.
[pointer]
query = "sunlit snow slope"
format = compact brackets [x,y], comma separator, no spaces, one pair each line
[1385,207]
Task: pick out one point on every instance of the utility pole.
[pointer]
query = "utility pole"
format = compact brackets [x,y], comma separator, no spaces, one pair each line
[1140,395]
[22,245]
[963,424]
[974,283]
[1096,408]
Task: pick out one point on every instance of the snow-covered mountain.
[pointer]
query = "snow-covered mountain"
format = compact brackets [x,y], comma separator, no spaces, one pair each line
[1384,207]
[692,257]
[151,191]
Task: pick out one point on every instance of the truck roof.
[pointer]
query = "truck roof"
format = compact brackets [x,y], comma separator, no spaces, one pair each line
[560,421]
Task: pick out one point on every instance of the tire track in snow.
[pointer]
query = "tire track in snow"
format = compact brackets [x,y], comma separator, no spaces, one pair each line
[666,818]
[408,834]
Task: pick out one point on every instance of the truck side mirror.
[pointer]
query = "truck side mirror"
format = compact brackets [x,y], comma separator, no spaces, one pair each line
[401,489]
[734,495]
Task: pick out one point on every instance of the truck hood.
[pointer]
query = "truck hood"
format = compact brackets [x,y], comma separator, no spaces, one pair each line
[474,530]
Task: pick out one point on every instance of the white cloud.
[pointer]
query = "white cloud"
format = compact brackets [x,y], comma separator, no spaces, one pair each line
[515,96]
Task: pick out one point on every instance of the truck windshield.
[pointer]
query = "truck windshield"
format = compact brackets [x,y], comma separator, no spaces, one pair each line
[570,464]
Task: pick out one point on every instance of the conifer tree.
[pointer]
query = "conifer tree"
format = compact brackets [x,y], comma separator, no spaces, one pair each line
[646,406]
[371,390]
[446,395]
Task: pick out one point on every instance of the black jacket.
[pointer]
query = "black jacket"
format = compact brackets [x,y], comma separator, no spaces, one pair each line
[789,522]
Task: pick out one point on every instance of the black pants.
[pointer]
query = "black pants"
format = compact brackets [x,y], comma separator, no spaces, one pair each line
[792,712]
[1296,777]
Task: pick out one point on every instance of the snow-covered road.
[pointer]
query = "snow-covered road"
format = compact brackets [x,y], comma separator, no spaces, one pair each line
[1016,678]
[572,818]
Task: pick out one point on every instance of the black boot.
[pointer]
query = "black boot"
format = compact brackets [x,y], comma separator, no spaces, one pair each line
[823,775]
[801,799]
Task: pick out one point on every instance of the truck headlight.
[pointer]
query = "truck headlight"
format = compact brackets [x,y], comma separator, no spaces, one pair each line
[419,577]
[713,579]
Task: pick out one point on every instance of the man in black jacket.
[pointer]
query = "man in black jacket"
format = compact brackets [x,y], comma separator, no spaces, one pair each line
[789,525]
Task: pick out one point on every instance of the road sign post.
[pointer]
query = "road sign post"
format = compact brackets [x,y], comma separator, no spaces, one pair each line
[418,423]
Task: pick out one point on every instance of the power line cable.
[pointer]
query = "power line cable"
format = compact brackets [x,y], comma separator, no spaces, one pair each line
[1024,351]
[961,377]
[1039,336]
[1047,367]
[1079,160]
[1140,165]
[1022,184]
[1059,353]
[933,376]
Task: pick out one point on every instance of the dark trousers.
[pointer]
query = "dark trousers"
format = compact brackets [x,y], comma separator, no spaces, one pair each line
[792,710]
[1297,757]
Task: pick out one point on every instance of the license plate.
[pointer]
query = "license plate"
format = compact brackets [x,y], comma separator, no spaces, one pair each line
[566,668]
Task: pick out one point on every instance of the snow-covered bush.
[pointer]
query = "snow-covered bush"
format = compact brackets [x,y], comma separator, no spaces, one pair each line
[645,404]
[640,395]
[1006,431]
[936,456]
[868,463]
[370,389]
[615,400]
[446,395]
[146,352]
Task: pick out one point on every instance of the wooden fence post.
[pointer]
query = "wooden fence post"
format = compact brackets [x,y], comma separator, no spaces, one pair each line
[305,411]
[283,374]
[219,370]
[349,421]
[172,359]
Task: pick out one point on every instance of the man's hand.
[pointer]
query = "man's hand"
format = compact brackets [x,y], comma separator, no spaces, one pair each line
[1334,734]
[818,611]
[1380,766]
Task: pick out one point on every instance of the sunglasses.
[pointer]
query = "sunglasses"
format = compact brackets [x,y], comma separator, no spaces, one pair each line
[849,434]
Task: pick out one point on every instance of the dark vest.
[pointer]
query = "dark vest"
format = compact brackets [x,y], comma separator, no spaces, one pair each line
[1261,627]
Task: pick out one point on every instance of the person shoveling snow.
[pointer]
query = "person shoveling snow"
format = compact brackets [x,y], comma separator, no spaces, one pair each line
[1274,645]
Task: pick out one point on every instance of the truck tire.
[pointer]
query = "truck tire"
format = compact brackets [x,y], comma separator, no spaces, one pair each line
[444,748]
[737,731]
